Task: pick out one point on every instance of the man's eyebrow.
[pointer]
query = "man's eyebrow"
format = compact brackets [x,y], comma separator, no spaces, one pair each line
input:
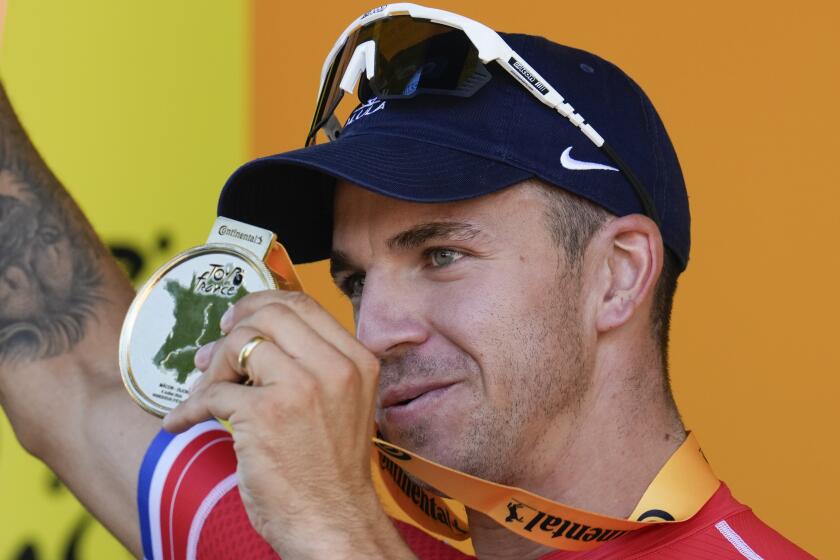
[422,233]
[411,238]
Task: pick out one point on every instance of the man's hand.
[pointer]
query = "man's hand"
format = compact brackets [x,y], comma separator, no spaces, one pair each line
[302,432]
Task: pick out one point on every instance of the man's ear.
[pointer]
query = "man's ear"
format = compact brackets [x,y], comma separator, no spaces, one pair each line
[630,255]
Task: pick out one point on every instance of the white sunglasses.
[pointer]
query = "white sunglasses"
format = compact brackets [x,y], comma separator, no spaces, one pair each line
[406,49]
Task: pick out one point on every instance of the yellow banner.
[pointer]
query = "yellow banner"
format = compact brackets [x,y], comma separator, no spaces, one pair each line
[142,114]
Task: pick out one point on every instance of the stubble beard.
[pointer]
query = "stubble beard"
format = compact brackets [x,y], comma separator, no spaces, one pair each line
[542,380]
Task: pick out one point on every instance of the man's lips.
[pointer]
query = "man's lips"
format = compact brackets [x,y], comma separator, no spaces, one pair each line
[403,394]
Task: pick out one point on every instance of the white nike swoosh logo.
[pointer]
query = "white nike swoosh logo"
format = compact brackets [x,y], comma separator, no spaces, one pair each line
[567,161]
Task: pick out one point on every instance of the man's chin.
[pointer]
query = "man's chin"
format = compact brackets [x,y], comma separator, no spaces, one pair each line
[425,451]
[414,440]
[423,442]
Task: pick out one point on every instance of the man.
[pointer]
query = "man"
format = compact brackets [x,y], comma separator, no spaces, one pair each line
[506,328]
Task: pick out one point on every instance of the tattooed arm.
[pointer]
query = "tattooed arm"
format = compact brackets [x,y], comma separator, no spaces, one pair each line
[62,301]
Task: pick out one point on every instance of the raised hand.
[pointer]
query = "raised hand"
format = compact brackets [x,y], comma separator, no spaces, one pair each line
[302,431]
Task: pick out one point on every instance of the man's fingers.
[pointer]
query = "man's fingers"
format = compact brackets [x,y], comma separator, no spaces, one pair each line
[298,339]
[219,366]
[311,312]
[218,400]
[219,393]
[265,361]
[299,328]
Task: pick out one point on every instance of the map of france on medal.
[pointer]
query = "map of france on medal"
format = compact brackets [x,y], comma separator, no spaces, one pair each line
[198,310]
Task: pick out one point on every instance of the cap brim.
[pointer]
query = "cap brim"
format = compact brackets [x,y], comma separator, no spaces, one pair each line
[291,193]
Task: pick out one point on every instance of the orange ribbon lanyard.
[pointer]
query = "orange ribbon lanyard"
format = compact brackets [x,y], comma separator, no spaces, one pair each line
[680,489]
[278,262]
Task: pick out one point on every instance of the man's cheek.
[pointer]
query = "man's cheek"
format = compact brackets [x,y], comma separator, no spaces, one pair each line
[467,309]
[484,326]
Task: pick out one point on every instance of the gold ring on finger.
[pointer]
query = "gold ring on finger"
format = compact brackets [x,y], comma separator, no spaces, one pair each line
[244,354]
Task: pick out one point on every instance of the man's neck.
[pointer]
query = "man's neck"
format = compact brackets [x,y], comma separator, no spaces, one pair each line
[608,456]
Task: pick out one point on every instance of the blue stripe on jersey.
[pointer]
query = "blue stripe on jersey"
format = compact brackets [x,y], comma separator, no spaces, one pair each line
[144,483]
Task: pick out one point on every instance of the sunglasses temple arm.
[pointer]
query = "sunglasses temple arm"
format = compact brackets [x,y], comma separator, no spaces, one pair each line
[331,125]
[539,88]
[644,197]
[525,74]
[332,128]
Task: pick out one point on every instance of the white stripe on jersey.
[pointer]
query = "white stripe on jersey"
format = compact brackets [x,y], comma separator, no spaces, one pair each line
[204,510]
[736,541]
[181,476]
[167,458]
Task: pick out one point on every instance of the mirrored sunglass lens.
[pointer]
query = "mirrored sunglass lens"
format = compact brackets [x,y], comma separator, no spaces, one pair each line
[331,94]
[433,58]
[412,57]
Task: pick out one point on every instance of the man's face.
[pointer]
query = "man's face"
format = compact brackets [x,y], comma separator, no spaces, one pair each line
[472,310]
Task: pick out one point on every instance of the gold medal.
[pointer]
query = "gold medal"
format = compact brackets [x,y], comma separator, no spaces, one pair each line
[179,308]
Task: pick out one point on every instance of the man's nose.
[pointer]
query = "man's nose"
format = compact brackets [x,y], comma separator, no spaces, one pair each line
[389,319]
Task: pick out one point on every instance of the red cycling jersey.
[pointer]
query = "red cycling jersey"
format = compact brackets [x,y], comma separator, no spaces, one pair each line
[190,508]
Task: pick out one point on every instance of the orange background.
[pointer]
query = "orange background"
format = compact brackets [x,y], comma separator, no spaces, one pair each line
[748,91]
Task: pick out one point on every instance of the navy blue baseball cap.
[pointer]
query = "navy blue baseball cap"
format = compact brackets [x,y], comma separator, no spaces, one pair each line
[434,148]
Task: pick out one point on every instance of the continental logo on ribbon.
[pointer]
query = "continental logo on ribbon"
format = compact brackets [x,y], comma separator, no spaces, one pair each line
[414,498]
[394,452]
[534,520]
[677,492]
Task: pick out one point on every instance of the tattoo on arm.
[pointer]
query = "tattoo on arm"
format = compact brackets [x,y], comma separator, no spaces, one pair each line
[50,258]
